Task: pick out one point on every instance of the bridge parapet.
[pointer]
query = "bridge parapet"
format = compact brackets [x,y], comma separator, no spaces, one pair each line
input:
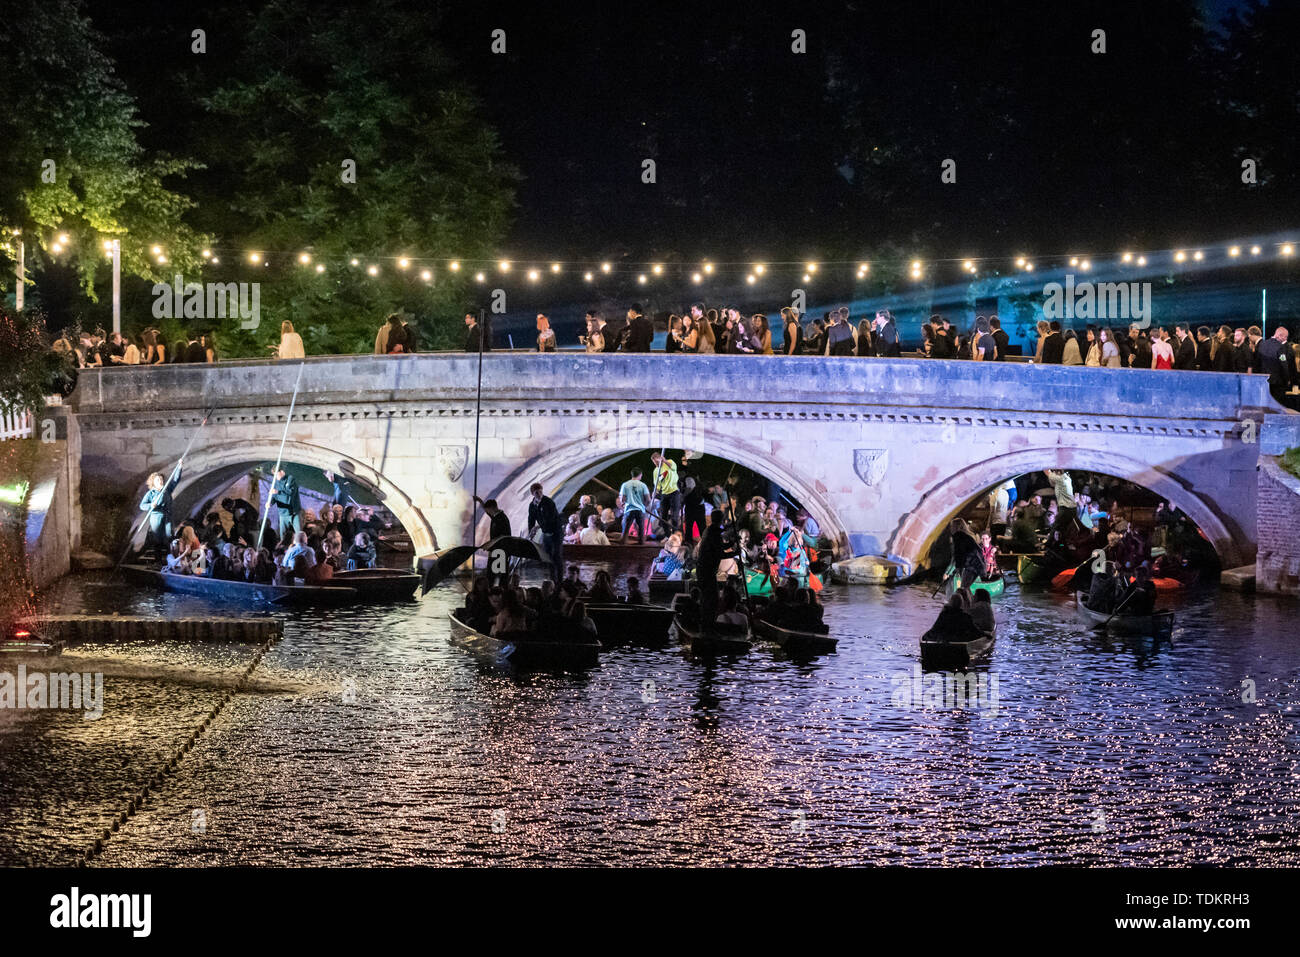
[558,379]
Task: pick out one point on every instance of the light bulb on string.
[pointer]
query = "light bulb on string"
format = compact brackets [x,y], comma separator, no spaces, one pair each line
[304,258]
[426,275]
[454,266]
[403,263]
[372,270]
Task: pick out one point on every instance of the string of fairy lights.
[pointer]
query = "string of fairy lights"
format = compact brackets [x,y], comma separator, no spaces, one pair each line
[426,268]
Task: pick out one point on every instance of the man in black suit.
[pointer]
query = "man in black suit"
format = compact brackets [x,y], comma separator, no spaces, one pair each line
[1243,353]
[640,331]
[1000,338]
[1185,354]
[1204,346]
[1254,336]
[1275,362]
[477,338]
[1054,345]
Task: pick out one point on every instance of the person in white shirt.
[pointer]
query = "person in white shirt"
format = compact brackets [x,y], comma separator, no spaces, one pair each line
[592,534]
[290,346]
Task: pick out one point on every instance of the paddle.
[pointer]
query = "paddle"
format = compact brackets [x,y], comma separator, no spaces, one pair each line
[136,527]
[266,513]
[947,575]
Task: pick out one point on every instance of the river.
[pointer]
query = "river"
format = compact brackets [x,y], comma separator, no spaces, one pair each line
[367,739]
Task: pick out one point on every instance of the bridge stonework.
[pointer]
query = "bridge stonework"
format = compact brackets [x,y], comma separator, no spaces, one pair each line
[882,451]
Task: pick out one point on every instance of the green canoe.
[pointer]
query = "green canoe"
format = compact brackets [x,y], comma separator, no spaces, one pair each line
[994,587]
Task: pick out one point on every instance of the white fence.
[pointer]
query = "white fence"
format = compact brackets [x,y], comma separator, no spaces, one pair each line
[16,425]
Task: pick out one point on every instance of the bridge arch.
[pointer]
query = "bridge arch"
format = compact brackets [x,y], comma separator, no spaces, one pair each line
[922,525]
[211,467]
[565,468]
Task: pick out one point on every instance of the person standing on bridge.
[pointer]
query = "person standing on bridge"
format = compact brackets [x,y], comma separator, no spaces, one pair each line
[288,504]
[290,346]
[1275,362]
[1185,354]
[545,517]
[640,331]
[477,338]
[545,334]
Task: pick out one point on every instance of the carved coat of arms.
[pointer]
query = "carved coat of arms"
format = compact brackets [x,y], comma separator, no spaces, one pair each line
[871,464]
[452,460]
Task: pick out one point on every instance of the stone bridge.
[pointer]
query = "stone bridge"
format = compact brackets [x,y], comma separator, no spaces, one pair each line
[882,451]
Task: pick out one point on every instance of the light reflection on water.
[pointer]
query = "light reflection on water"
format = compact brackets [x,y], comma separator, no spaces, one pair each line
[1102,751]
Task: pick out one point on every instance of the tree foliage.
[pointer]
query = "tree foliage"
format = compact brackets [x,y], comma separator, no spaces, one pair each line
[69,157]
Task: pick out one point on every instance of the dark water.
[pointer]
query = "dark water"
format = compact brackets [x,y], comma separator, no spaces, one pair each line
[1100,751]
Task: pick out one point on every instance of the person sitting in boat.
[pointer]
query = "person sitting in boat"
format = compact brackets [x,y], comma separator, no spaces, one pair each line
[592,534]
[534,607]
[981,611]
[479,610]
[573,530]
[955,623]
[794,564]
[300,550]
[511,616]
[550,597]
[730,613]
[602,589]
[1141,595]
[578,617]
[1105,589]
[361,554]
[247,572]
[670,562]
[635,596]
[572,585]
[989,559]
[809,610]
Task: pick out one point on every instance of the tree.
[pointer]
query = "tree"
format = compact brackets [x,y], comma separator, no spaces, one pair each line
[30,370]
[315,90]
[69,159]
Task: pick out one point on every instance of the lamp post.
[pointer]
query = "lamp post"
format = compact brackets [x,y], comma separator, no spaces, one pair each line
[116,252]
[20,271]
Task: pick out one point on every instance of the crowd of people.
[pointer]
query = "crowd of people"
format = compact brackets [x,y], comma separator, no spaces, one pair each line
[303,548]
[500,605]
[1065,527]
[85,350]
[726,330]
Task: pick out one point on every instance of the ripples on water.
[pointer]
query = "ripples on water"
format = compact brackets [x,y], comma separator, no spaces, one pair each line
[1102,751]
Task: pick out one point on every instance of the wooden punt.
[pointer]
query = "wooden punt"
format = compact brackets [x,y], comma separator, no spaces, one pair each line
[715,640]
[527,649]
[642,624]
[242,593]
[1159,624]
[938,653]
[793,640]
